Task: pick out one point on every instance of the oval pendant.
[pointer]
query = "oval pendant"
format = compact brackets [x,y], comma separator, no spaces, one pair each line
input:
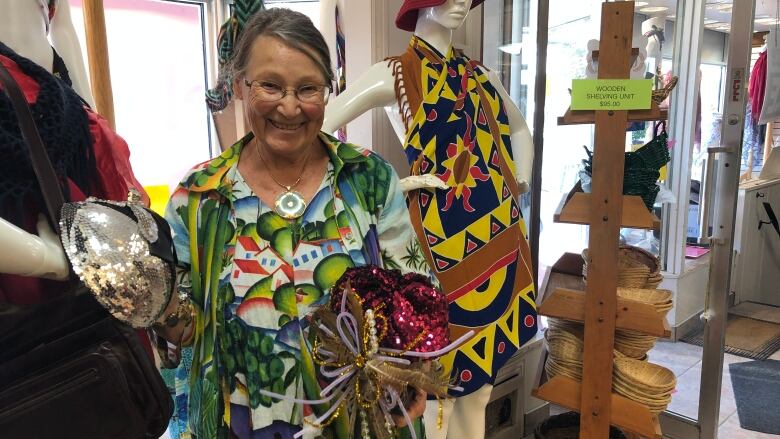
[290,205]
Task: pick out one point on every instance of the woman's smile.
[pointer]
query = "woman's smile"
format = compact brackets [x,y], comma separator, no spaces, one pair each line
[286,126]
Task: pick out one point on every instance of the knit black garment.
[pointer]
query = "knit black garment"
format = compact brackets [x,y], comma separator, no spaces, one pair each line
[64,128]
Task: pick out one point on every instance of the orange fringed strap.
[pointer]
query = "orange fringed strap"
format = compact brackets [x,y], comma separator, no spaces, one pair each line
[406,71]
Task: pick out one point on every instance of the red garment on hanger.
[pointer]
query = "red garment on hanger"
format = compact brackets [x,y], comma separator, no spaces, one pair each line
[114,174]
[757,86]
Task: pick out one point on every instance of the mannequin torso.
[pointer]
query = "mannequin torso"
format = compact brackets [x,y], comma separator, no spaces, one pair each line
[23,28]
[376,88]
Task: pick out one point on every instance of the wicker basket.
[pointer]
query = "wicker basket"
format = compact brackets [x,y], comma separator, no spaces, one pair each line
[653,297]
[562,348]
[646,377]
[637,268]
[573,328]
[630,352]
[554,368]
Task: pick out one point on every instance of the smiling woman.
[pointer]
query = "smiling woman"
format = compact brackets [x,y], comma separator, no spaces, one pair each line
[273,222]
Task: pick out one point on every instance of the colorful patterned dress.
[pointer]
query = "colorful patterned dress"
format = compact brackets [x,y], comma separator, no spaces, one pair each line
[256,278]
[473,234]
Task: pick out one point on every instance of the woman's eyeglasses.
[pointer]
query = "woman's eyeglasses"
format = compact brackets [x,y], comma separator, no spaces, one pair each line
[270,91]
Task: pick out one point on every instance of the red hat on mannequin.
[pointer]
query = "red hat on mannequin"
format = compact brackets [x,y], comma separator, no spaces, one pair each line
[407,16]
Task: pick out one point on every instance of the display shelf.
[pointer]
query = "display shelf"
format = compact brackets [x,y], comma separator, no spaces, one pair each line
[574,208]
[626,414]
[605,210]
[580,117]
[569,304]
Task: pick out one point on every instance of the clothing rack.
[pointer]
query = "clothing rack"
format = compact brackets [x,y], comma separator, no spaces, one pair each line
[605,210]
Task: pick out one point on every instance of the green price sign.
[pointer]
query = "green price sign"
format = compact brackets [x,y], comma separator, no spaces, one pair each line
[611,94]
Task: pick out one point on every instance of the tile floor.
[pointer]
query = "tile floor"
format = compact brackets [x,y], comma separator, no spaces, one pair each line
[685,360]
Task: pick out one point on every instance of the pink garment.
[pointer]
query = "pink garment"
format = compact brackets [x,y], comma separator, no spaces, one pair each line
[757,86]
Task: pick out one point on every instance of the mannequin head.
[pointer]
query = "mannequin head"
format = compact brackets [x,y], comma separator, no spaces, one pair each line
[447,13]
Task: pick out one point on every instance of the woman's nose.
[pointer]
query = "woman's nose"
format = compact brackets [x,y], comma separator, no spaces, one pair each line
[289,105]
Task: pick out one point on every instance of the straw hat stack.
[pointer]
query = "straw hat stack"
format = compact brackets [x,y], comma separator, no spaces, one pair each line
[643,382]
[637,268]
[635,344]
[565,350]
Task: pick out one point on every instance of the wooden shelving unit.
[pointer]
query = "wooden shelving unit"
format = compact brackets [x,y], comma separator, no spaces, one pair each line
[605,209]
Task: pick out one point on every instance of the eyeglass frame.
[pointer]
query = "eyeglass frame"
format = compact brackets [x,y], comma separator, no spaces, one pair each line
[294,90]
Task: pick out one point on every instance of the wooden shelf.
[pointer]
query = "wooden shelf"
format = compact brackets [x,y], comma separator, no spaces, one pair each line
[569,304]
[579,117]
[574,208]
[626,414]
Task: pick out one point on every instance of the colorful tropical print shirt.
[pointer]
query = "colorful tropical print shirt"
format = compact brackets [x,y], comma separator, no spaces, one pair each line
[256,278]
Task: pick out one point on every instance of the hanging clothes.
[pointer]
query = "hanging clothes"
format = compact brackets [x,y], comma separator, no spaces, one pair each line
[472,233]
[757,86]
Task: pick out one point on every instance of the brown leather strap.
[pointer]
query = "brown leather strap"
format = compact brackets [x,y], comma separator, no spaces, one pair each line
[44,171]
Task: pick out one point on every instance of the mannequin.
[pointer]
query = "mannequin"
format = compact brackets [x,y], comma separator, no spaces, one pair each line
[375,89]
[436,178]
[637,64]
[24,25]
[23,28]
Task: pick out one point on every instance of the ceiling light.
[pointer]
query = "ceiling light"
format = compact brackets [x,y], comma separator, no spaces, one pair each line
[652,9]
[709,21]
[768,20]
[639,4]
[671,17]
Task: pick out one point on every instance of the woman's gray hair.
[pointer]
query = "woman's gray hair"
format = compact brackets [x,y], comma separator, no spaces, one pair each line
[293,28]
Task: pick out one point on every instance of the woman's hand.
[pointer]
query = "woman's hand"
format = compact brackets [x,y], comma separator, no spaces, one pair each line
[414,410]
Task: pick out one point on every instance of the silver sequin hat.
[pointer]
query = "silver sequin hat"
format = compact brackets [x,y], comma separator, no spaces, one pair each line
[123,253]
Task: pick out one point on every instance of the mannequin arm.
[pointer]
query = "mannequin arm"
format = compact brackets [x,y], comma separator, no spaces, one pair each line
[29,255]
[375,88]
[522,142]
[63,37]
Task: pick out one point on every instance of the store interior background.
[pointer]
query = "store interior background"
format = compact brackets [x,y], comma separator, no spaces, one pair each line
[160,73]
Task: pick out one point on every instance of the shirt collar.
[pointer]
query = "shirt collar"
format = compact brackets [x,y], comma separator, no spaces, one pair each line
[216,175]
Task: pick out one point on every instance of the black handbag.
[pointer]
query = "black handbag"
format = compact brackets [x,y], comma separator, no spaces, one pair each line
[68,369]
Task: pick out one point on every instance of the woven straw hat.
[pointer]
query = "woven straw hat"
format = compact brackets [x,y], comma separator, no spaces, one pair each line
[661,300]
[646,377]
[637,268]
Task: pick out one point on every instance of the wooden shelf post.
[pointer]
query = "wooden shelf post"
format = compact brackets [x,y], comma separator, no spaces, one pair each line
[605,216]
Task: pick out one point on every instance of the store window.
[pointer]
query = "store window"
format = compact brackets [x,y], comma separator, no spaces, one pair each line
[158,77]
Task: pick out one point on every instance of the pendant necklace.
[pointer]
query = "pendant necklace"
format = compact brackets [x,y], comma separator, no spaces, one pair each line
[290,204]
